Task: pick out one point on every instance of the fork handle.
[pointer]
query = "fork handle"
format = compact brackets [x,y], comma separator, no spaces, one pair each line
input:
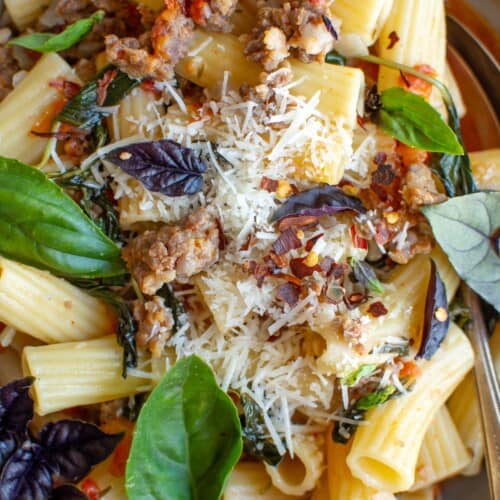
[487,389]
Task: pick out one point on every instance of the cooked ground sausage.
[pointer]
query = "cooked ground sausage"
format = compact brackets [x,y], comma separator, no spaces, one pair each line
[173,252]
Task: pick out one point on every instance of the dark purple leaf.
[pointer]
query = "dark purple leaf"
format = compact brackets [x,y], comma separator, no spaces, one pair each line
[365,275]
[68,492]
[162,166]
[318,201]
[73,447]
[8,444]
[16,405]
[330,27]
[26,475]
[437,317]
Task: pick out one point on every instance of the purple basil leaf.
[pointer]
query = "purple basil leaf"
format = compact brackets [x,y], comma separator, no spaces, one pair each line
[330,27]
[162,166]
[8,445]
[73,447]
[318,201]
[437,317]
[68,492]
[16,405]
[26,475]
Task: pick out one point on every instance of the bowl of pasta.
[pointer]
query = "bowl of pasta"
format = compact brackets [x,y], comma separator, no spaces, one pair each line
[232,238]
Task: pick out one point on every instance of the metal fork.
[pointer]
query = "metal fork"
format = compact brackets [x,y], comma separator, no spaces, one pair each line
[487,389]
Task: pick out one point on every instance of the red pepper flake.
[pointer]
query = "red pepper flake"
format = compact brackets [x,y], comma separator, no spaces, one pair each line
[276,261]
[103,84]
[417,85]
[394,39]
[377,309]
[91,489]
[289,293]
[288,277]
[288,240]
[248,243]
[382,235]
[148,85]
[361,121]
[67,88]
[270,185]
[356,298]
[259,271]
[384,174]
[410,370]
[404,79]
[222,237]
[327,264]
[298,221]
[310,243]
[357,240]
[300,269]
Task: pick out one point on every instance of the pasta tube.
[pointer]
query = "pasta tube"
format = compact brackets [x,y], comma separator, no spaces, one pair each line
[362,18]
[249,481]
[32,104]
[384,453]
[421,30]
[443,453]
[464,409]
[49,308]
[24,12]
[78,373]
[424,494]
[341,483]
[300,474]
[216,53]
[486,168]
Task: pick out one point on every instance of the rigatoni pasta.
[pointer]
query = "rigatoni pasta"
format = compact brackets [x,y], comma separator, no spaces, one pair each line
[49,308]
[78,373]
[31,104]
[24,12]
[386,459]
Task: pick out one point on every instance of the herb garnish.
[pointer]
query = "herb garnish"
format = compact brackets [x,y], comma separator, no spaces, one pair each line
[175,306]
[436,316]
[466,228]
[413,121]
[49,42]
[364,274]
[63,451]
[163,166]
[42,226]
[318,201]
[253,426]
[355,376]
[343,430]
[187,438]
[83,110]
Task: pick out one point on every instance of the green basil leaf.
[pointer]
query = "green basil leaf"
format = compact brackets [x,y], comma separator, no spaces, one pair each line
[42,226]
[83,111]
[47,42]
[334,57]
[455,172]
[255,442]
[355,376]
[413,121]
[187,439]
[467,229]
[374,399]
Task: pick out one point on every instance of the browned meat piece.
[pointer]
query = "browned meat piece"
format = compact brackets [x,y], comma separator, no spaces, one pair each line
[169,42]
[173,252]
[8,68]
[295,27]
[155,324]
[419,188]
[72,10]
[85,69]
[419,241]
[213,14]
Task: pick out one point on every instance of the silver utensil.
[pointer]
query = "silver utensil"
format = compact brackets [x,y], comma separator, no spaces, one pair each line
[487,389]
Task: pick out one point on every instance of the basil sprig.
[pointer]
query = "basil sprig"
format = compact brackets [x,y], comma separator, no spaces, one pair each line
[187,439]
[48,42]
[467,229]
[413,121]
[42,226]
[83,111]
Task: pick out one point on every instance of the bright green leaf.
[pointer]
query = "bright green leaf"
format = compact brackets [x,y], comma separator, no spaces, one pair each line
[355,376]
[413,121]
[466,228]
[42,226]
[187,439]
[48,42]
[374,399]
